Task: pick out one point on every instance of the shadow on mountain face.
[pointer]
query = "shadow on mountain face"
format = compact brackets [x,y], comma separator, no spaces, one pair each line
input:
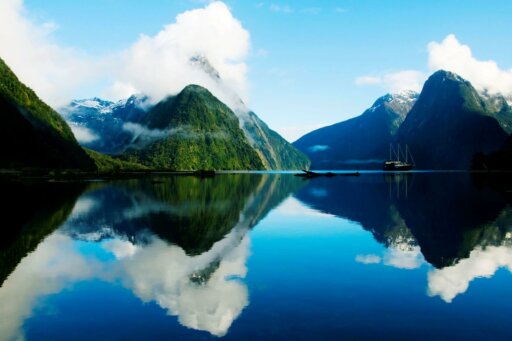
[448,215]
[30,212]
[191,212]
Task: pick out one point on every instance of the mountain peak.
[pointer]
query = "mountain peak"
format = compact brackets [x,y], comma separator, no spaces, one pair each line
[404,97]
[195,88]
[443,75]
[93,103]
[399,103]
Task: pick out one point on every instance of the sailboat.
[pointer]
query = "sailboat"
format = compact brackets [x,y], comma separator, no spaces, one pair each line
[395,164]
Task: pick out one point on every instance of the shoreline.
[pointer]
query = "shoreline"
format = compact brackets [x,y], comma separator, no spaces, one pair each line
[6,174]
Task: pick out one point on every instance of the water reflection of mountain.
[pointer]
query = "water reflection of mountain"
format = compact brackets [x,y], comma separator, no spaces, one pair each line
[177,241]
[190,212]
[446,215]
[30,212]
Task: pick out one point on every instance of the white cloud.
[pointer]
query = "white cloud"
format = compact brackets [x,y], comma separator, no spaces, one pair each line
[280,8]
[368,259]
[55,73]
[83,134]
[454,280]
[157,65]
[398,256]
[395,81]
[449,55]
[161,65]
[318,148]
[404,257]
[83,206]
[162,273]
[50,268]
[293,207]
[155,271]
[453,56]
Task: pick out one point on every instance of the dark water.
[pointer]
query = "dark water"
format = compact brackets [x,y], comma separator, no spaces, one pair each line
[258,256]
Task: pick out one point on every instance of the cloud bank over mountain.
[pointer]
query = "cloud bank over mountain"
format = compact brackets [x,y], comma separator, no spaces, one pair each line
[164,63]
[158,65]
[450,55]
[54,72]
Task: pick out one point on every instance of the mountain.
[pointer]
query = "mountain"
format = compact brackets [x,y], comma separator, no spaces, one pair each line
[33,135]
[100,125]
[112,128]
[399,211]
[190,131]
[498,160]
[134,125]
[275,152]
[34,210]
[451,122]
[195,214]
[360,142]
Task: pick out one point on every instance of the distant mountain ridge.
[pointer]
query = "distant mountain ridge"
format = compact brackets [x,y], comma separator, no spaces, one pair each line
[445,127]
[99,124]
[360,142]
[451,122]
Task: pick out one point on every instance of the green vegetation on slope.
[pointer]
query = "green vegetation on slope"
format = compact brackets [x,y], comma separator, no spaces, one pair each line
[33,211]
[199,132]
[274,151]
[108,164]
[33,135]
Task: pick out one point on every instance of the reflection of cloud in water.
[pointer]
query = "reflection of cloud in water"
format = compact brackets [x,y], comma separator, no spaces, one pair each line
[163,274]
[50,268]
[83,206]
[409,257]
[404,258]
[154,272]
[120,248]
[482,263]
[368,259]
[318,192]
[293,207]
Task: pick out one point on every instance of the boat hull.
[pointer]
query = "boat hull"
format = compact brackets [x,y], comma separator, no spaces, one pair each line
[397,166]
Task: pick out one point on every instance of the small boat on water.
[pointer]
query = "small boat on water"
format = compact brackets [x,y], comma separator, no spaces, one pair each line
[395,164]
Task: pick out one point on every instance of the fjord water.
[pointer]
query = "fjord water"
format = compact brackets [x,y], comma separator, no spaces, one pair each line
[258,256]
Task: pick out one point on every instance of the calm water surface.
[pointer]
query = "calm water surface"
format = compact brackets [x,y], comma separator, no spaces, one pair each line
[258,256]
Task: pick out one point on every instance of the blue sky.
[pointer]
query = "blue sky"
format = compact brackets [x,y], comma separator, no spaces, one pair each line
[305,56]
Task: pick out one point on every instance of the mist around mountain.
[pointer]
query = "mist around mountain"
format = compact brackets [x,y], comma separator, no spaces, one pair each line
[191,130]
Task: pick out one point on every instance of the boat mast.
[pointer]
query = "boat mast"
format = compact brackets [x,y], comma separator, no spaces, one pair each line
[406,152]
[398,153]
